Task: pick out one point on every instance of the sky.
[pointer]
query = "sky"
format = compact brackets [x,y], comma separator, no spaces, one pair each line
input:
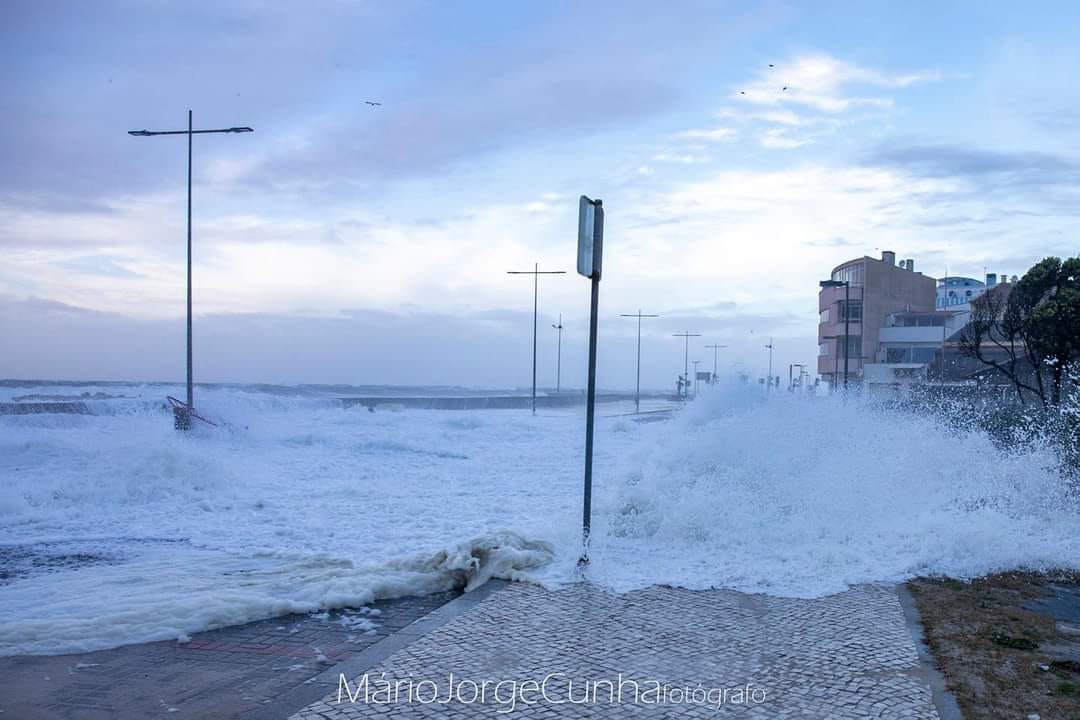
[343,242]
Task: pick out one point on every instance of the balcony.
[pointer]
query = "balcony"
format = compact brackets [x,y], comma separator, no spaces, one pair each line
[836,329]
[912,334]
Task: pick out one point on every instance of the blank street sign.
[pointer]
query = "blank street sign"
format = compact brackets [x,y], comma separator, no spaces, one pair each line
[590,237]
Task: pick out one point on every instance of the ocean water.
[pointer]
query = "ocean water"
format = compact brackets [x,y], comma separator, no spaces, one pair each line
[116,529]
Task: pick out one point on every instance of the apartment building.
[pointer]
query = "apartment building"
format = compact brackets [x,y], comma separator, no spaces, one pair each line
[878,288]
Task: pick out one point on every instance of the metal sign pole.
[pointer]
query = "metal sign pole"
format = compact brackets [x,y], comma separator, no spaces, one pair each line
[590,254]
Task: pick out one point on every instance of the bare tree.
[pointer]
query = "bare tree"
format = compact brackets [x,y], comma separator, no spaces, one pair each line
[994,337]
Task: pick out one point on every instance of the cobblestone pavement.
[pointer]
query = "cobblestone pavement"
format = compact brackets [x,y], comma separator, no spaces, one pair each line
[850,655]
[252,670]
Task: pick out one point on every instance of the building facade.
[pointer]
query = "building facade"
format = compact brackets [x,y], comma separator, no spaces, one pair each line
[956,293]
[877,289]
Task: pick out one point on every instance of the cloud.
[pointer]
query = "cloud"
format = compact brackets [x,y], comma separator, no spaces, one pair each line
[357,346]
[105,265]
[834,242]
[825,84]
[718,134]
[455,83]
[943,161]
[780,138]
[682,158]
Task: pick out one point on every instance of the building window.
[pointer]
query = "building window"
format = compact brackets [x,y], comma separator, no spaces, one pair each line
[823,349]
[854,346]
[824,317]
[919,321]
[897,355]
[923,355]
[853,274]
[853,313]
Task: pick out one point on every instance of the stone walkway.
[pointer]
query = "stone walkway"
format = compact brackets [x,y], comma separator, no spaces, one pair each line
[704,653]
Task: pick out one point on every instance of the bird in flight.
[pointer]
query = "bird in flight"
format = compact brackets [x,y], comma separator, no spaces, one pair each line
[372,103]
[783,88]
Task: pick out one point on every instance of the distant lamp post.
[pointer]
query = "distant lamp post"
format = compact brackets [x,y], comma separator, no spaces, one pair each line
[714,348]
[846,284]
[558,355]
[637,386]
[696,362]
[686,359]
[536,272]
[183,415]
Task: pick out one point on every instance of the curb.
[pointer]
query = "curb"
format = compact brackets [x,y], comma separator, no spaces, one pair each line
[944,701]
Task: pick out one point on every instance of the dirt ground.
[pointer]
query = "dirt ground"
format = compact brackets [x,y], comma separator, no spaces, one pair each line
[1008,644]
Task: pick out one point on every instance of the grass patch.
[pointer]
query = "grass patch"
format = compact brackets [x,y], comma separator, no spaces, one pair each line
[1000,659]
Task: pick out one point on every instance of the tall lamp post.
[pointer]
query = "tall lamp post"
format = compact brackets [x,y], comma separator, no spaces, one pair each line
[846,284]
[637,386]
[714,348]
[686,359]
[183,416]
[558,355]
[536,273]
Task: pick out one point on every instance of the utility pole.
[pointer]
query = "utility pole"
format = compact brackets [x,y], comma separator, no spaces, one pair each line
[182,417]
[637,387]
[714,348]
[686,358]
[769,347]
[695,377]
[536,273]
[558,355]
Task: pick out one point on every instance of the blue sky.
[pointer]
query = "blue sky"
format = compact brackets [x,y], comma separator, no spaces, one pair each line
[943,131]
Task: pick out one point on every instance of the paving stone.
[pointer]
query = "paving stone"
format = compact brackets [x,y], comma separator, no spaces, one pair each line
[849,655]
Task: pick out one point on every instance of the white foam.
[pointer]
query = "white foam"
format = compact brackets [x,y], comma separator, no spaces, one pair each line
[298,505]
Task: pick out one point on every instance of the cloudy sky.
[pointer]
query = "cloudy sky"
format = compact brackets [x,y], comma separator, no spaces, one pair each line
[343,242]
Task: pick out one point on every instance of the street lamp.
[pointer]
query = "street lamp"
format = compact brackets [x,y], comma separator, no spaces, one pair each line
[536,272]
[686,359]
[714,348]
[637,386]
[846,284]
[183,416]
